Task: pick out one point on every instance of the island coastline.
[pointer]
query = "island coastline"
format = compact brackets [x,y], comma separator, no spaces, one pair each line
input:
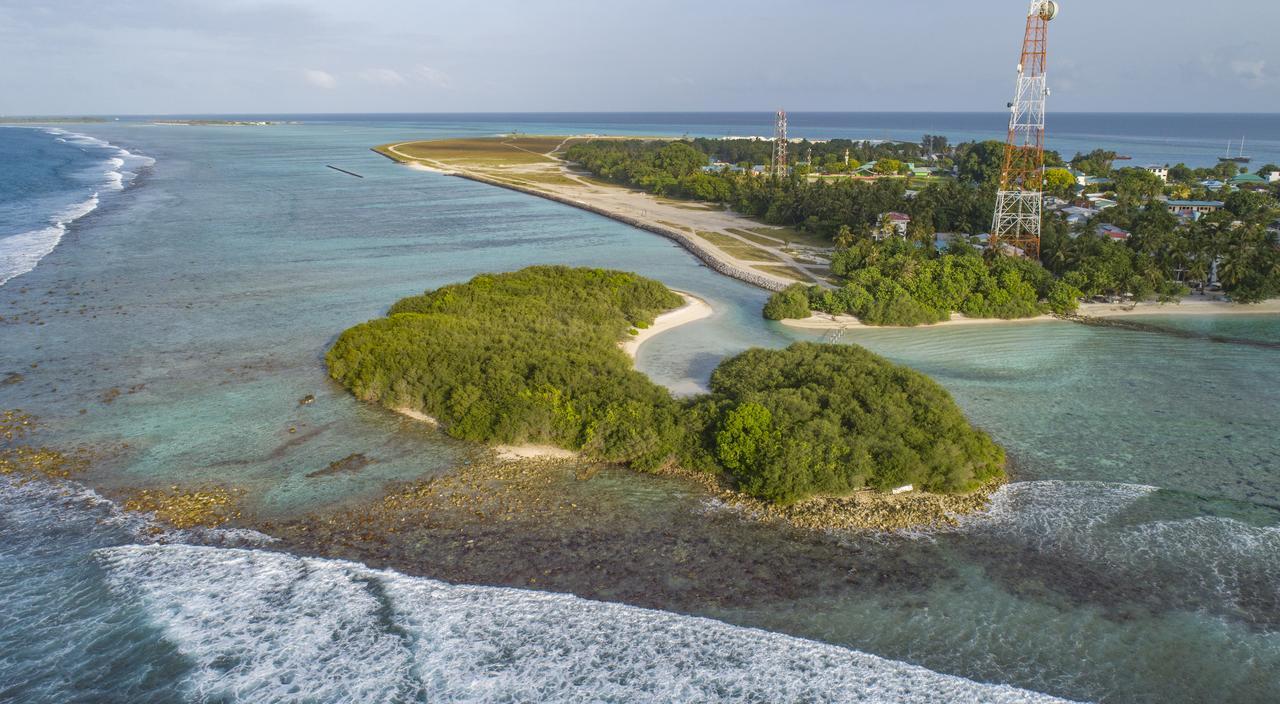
[681,233]
[693,310]
[680,227]
[1187,306]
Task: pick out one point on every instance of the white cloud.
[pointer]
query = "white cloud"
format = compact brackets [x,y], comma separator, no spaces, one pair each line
[382,77]
[433,76]
[320,79]
[1250,70]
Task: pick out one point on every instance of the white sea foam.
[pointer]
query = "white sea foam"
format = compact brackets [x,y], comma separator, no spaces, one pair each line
[33,501]
[21,253]
[1054,507]
[271,627]
[1092,521]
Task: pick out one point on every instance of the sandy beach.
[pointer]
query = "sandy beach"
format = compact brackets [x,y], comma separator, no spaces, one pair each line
[504,452]
[826,321]
[694,309]
[1192,305]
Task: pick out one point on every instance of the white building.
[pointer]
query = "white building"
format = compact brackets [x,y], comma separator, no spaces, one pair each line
[1161,171]
[1273,177]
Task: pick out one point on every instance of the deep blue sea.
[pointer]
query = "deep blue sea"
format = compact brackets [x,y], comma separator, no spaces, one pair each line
[1196,139]
[201,272]
[52,178]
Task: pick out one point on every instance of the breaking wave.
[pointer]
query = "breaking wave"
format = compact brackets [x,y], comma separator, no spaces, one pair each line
[32,502]
[265,626]
[21,253]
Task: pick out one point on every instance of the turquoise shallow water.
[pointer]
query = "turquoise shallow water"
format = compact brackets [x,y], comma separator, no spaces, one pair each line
[1135,559]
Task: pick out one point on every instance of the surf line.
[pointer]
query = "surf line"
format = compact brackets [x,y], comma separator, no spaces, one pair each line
[349,173]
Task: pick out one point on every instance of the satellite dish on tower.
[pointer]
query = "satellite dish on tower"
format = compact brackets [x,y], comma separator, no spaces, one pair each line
[1048,10]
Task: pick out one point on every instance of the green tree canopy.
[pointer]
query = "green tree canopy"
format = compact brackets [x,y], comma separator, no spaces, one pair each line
[533,356]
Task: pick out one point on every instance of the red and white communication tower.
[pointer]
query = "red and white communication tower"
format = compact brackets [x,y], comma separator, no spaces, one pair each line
[780,144]
[1020,199]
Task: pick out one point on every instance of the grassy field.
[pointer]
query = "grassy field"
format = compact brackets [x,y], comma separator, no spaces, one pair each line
[758,239]
[738,248]
[687,204]
[787,234]
[551,179]
[785,272]
[482,151]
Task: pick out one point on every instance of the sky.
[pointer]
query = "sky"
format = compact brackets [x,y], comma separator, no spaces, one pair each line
[71,57]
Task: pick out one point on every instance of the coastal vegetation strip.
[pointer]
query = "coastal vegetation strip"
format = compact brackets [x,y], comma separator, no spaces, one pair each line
[895,282]
[532,357]
[828,233]
[1133,243]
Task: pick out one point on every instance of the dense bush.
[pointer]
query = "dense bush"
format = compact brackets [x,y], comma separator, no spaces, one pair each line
[829,419]
[530,356]
[899,283]
[533,356]
[793,302]
[675,169]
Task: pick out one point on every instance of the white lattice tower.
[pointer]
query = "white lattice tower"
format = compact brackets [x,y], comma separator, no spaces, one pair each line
[780,144]
[1019,202]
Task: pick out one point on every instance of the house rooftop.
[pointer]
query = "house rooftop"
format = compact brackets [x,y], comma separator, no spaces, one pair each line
[1248,178]
[1115,233]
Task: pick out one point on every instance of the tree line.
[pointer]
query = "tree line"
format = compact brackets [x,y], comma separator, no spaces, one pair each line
[1165,254]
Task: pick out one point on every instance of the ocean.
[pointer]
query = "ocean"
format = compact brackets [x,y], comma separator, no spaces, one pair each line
[53,178]
[174,327]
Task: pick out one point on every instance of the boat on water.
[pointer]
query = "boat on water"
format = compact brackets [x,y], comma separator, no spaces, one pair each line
[1239,158]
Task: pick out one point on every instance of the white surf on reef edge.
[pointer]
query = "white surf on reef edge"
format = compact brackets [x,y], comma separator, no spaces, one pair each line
[268,626]
[22,252]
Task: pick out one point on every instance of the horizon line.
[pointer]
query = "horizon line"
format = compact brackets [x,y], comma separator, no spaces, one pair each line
[632,112]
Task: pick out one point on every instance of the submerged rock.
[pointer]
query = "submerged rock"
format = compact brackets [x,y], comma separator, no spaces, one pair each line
[351,463]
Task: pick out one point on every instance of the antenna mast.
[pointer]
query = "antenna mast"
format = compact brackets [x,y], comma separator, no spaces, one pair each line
[780,144]
[1019,201]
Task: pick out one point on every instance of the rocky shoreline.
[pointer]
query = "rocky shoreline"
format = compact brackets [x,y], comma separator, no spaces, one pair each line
[674,540]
